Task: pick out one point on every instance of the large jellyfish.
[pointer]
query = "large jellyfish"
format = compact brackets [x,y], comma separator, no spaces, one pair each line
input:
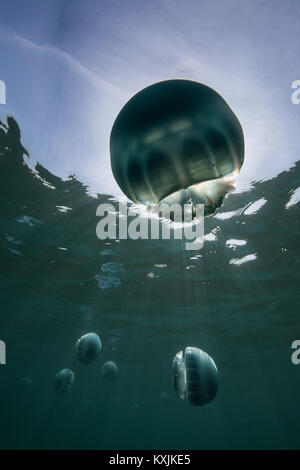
[195,376]
[177,141]
[88,347]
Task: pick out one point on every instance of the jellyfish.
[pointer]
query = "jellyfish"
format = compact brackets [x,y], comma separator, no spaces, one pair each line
[27,381]
[195,376]
[177,141]
[110,371]
[165,399]
[88,347]
[63,380]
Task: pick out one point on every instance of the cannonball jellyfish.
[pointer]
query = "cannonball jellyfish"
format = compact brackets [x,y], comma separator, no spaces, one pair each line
[177,141]
[110,371]
[64,380]
[195,376]
[88,347]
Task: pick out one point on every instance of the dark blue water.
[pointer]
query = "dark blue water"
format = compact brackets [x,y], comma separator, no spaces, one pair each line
[237,298]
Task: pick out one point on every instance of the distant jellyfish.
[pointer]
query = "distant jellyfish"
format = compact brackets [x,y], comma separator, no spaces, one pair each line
[27,381]
[177,141]
[165,399]
[110,371]
[64,380]
[88,348]
[195,376]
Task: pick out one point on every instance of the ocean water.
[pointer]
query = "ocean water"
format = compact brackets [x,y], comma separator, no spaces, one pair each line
[237,298]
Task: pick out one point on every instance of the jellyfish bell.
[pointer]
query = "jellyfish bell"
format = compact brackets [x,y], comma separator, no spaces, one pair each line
[88,348]
[174,142]
[64,380]
[195,376]
[109,371]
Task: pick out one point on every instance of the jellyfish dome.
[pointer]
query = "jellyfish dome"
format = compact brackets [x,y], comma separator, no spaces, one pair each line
[88,347]
[63,380]
[195,376]
[110,371]
[177,141]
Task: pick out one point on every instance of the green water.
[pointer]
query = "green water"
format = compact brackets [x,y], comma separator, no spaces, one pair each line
[147,300]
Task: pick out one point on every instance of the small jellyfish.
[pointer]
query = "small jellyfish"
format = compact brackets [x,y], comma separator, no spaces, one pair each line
[88,347]
[165,399]
[177,141]
[27,381]
[195,376]
[110,371]
[63,380]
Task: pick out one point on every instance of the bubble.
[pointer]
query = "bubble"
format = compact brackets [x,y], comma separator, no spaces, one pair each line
[195,376]
[88,347]
[64,380]
[177,141]
[110,371]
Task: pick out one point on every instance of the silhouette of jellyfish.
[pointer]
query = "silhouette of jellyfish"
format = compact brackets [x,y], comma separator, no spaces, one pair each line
[88,347]
[195,376]
[177,141]
[110,371]
[63,380]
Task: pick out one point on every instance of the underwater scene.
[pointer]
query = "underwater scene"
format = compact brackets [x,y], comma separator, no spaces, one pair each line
[237,299]
[149,226]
